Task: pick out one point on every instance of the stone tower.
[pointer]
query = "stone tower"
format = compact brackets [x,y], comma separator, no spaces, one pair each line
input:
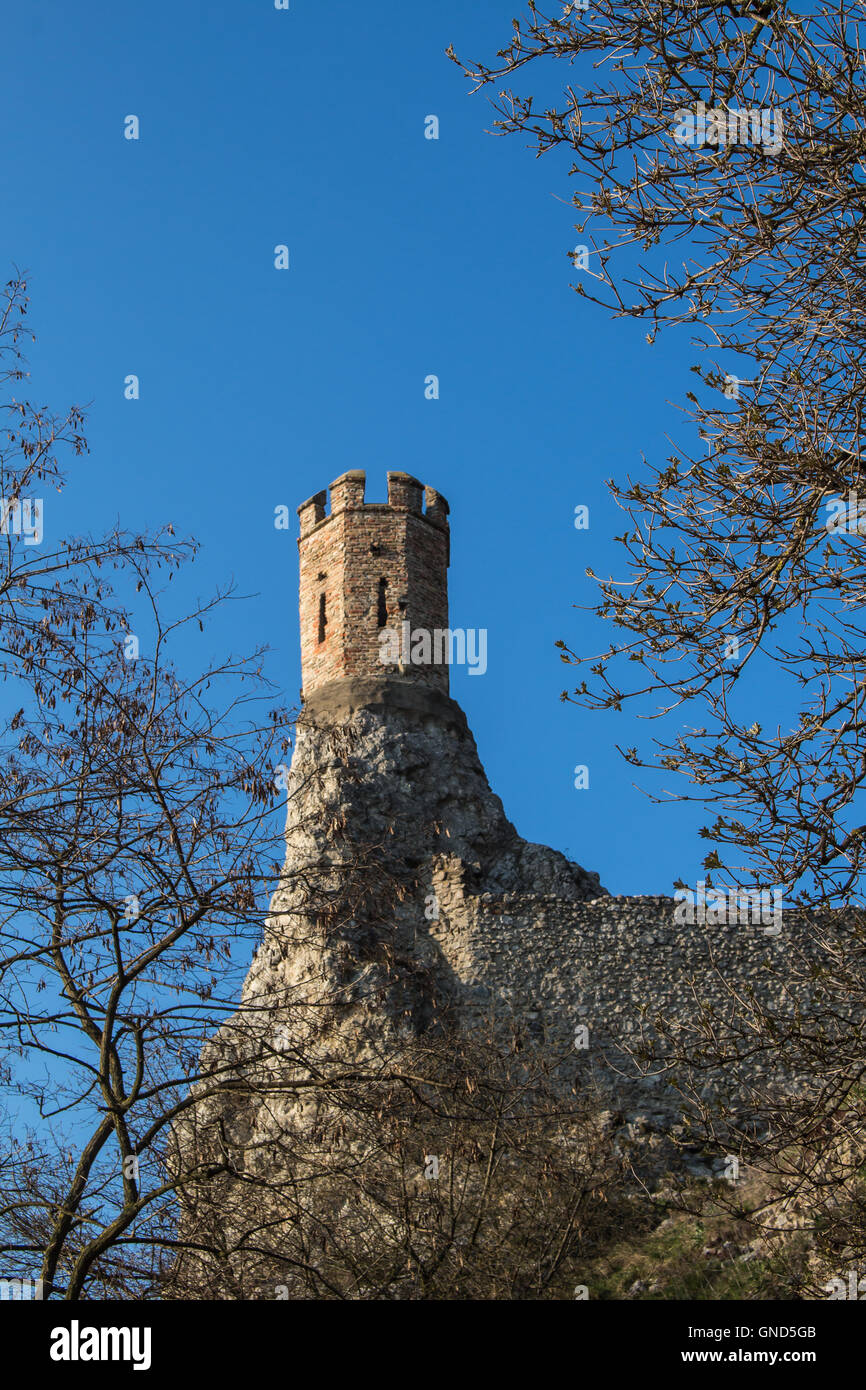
[368,567]
[411,910]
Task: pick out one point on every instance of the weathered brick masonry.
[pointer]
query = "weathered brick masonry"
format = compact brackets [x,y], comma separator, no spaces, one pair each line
[366,566]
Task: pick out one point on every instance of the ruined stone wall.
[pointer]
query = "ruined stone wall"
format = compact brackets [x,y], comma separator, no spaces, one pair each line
[412,917]
[488,921]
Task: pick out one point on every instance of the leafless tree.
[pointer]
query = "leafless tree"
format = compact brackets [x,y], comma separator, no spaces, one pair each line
[719,150]
[452,1168]
[136,844]
[741,219]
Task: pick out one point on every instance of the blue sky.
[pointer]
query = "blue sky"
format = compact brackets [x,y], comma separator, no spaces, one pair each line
[258,387]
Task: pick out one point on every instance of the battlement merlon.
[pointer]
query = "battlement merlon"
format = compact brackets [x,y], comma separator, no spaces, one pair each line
[405,493]
[311,512]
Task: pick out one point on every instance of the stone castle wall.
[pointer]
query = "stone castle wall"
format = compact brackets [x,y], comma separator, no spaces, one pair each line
[486,923]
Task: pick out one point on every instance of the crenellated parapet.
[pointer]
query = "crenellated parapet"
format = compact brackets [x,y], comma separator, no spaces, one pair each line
[405,493]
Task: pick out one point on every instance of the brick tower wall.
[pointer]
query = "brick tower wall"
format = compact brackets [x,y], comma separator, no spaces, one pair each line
[346,553]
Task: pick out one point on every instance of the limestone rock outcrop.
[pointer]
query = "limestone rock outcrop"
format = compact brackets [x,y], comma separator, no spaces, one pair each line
[410,915]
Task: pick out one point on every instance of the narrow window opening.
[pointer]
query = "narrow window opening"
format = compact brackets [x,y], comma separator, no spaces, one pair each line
[323,618]
[382,610]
